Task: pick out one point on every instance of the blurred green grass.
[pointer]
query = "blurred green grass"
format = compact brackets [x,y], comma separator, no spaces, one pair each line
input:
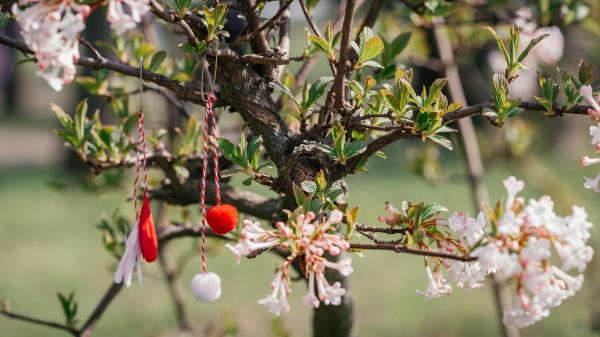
[49,244]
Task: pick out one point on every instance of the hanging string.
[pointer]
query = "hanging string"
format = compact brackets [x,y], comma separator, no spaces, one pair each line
[209,136]
[140,148]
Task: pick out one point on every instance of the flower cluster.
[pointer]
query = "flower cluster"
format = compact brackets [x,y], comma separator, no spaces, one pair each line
[586,92]
[464,274]
[521,246]
[519,249]
[51,29]
[313,241]
[455,235]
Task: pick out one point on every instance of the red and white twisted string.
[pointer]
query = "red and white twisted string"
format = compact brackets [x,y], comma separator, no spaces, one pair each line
[140,149]
[209,136]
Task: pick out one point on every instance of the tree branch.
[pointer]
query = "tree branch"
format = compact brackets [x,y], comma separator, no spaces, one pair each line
[372,15]
[385,230]
[404,249]
[37,321]
[271,22]
[245,201]
[339,84]
[477,109]
[105,301]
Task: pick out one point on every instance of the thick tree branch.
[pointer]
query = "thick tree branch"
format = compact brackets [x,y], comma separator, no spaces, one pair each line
[372,15]
[246,202]
[249,93]
[339,84]
[285,31]
[260,44]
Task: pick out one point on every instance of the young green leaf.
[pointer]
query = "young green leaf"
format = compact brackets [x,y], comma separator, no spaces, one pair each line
[157,59]
[369,46]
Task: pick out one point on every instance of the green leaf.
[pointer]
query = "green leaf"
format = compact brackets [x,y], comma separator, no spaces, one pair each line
[585,73]
[500,44]
[354,149]
[322,45]
[214,18]
[4,19]
[229,150]
[65,120]
[530,46]
[80,118]
[157,59]
[181,171]
[441,140]
[285,90]
[396,47]
[369,47]
[434,91]
[309,186]
[316,90]
[187,47]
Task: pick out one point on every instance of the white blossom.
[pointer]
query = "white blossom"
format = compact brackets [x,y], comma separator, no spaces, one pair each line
[310,299]
[587,93]
[470,229]
[513,187]
[437,285]
[587,161]
[124,15]
[309,239]
[277,300]
[592,183]
[595,133]
[51,30]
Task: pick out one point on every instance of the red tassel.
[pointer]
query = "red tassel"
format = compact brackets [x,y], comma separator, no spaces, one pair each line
[148,239]
[222,219]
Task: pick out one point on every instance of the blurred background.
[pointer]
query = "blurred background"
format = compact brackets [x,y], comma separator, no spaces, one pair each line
[51,206]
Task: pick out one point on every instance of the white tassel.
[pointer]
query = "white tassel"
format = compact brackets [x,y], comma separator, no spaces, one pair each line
[130,261]
[206,287]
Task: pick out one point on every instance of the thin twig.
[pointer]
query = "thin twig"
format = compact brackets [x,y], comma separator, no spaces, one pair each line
[38,321]
[404,249]
[90,324]
[385,230]
[373,238]
[245,38]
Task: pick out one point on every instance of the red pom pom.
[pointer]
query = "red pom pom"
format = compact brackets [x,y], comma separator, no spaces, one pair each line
[222,219]
[148,239]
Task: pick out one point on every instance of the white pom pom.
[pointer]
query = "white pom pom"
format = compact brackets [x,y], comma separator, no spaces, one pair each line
[206,287]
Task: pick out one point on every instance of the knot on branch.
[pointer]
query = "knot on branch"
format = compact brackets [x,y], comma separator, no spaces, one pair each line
[305,163]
